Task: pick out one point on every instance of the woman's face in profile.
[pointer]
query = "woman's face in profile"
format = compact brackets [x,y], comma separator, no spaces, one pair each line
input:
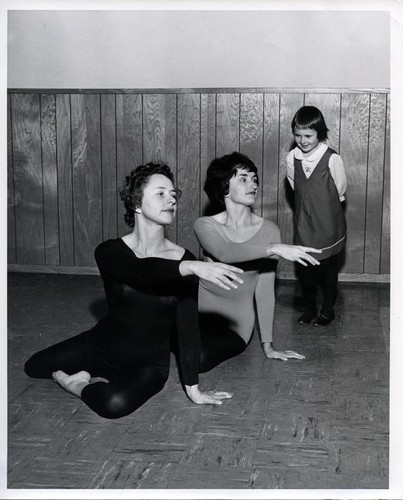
[243,187]
[158,204]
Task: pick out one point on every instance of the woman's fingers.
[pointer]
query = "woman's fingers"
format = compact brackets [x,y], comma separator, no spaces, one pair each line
[210,400]
[228,279]
[214,397]
[276,355]
[232,268]
[284,355]
[294,355]
[312,261]
[225,283]
[235,277]
[221,285]
[222,394]
[311,250]
[229,282]
[281,357]
[232,272]
[308,258]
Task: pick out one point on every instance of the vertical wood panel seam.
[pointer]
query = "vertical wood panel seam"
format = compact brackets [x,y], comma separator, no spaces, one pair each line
[262,164]
[263,152]
[57,183]
[43,187]
[366,182]
[72,181]
[383,180]
[102,166]
[176,167]
[200,172]
[239,120]
[116,168]
[199,162]
[278,157]
[57,179]
[215,125]
[200,154]
[13,171]
[340,122]
[142,128]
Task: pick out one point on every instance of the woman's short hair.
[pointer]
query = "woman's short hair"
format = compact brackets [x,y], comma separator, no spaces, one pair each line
[310,117]
[132,191]
[219,173]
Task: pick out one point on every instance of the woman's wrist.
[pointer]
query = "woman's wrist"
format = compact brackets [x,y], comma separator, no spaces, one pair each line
[273,249]
[185,268]
[192,390]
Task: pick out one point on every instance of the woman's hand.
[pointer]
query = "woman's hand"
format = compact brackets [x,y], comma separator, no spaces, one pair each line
[223,275]
[206,398]
[283,355]
[294,253]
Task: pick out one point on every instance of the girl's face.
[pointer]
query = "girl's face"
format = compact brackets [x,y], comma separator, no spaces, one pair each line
[243,187]
[158,204]
[306,139]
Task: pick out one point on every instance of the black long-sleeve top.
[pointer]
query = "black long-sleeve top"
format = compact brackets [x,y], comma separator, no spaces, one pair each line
[147,299]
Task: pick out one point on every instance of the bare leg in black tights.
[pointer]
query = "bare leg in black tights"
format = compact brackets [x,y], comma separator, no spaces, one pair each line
[72,364]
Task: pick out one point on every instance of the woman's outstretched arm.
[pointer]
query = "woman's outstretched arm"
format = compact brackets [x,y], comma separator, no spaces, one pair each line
[118,261]
[223,275]
[213,242]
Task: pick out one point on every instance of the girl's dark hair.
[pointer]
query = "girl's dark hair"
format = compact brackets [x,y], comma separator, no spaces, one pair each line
[132,192]
[310,117]
[219,173]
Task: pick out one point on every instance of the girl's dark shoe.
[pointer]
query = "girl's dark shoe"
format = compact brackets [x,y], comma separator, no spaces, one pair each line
[323,320]
[307,317]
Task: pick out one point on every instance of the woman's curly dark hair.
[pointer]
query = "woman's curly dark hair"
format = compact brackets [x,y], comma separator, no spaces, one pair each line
[132,192]
[219,173]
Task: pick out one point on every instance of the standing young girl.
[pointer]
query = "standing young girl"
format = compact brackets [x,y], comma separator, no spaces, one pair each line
[317,175]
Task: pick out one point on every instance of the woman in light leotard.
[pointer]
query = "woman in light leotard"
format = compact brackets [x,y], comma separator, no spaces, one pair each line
[237,235]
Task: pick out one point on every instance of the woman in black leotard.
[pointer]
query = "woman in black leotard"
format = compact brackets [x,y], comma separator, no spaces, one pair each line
[124,360]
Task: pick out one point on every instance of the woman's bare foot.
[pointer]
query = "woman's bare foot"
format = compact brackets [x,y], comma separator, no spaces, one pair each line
[72,383]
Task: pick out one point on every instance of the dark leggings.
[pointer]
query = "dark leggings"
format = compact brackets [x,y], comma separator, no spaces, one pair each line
[325,275]
[218,346]
[126,390]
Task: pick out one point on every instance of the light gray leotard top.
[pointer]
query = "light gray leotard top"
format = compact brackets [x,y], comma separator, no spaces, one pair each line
[256,295]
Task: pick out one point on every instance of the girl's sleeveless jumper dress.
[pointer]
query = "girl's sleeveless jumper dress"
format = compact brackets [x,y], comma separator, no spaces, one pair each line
[319,217]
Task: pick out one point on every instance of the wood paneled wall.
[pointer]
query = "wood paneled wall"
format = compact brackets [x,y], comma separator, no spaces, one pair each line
[70,150]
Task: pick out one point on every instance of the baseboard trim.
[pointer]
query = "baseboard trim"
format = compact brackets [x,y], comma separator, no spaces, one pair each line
[30,268]
[346,277]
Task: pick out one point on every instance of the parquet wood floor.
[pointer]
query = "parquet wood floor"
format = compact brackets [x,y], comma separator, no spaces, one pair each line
[318,423]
